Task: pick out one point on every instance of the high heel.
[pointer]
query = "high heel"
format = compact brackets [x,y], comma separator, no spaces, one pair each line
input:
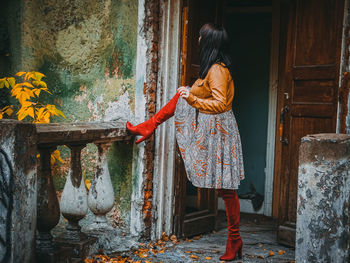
[240,252]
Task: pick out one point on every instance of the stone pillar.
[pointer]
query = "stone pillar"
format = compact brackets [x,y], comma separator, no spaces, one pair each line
[101,194]
[48,207]
[74,197]
[323,219]
[18,186]
[74,208]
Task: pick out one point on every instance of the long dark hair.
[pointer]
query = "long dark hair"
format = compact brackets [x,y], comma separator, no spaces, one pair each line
[214,48]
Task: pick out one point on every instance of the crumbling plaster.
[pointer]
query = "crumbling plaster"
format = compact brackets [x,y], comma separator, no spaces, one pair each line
[87,50]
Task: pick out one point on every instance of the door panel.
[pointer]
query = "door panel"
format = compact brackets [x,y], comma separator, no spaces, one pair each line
[199,217]
[308,90]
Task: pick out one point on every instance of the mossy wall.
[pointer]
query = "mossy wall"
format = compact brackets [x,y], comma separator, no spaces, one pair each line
[87,50]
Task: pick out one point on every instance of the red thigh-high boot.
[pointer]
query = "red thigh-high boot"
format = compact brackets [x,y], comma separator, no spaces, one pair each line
[234,242]
[147,128]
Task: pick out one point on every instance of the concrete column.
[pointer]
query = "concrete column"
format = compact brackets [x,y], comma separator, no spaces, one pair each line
[101,193]
[18,191]
[323,199]
[74,197]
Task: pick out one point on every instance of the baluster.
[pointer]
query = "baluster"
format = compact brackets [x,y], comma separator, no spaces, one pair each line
[74,198]
[48,212]
[101,194]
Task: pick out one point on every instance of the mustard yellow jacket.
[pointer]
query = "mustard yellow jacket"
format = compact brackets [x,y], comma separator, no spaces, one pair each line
[213,94]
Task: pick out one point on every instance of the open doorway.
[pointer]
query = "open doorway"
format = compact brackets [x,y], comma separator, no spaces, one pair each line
[249,25]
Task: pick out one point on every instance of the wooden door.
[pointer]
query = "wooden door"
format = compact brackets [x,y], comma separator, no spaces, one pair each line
[200,218]
[310,47]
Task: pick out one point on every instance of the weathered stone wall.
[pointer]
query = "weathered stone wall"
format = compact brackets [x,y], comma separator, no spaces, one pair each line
[323,221]
[87,50]
[17,191]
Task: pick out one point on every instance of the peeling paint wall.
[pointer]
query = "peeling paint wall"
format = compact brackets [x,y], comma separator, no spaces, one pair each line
[87,50]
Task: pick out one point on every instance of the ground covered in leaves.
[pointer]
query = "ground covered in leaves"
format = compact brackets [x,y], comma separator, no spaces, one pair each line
[258,234]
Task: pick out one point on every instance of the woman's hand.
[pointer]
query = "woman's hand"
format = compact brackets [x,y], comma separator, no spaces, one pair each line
[184,92]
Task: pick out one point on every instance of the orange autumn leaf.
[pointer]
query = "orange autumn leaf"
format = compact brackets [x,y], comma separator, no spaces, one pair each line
[194,257]
[148,194]
[188,251]
[271,253]
[197,237]
[281,252]
[208,258]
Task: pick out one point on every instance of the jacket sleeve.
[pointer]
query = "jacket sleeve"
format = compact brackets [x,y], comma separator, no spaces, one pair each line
[218,84]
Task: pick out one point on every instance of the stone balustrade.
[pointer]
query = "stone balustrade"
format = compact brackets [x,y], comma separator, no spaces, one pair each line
[74,200]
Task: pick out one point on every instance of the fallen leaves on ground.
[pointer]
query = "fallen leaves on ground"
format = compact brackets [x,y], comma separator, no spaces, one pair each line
[271,253]
[281,252]
[145,252]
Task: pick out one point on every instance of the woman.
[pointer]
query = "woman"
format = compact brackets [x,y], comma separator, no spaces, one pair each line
[206,129]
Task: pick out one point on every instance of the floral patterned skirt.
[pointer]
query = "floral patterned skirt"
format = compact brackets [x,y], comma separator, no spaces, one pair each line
[210,146]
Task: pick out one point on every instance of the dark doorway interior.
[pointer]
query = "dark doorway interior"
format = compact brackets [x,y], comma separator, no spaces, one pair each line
[250,33]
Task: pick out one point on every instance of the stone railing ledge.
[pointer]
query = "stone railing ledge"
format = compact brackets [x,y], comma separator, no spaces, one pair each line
[88,132]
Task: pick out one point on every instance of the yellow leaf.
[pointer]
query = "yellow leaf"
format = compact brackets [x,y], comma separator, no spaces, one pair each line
[9,111]
[43,118]
[52,160]
[143,255]
[2,83]
[38,75]
[42,84]
[27,84]
[208,258]
[29,76]
[26,109]
[22,94]
[1,115]
[12,81]
[57,155]
[36,92]
[87,183]
[7,84]
[20,73]
[54,111]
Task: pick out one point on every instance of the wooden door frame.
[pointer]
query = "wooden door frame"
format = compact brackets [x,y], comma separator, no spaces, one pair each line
[272,112]
[165,143]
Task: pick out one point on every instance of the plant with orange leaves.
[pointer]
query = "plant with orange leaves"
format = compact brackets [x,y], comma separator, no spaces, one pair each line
[26,87]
